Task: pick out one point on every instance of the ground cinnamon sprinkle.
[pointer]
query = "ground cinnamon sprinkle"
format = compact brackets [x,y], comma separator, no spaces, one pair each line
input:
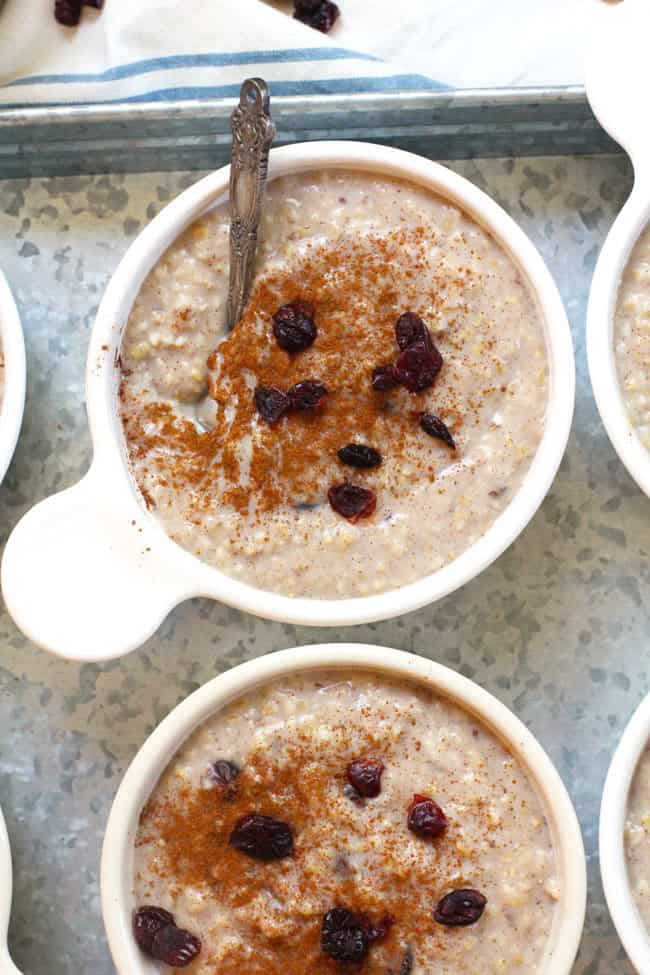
[277,907]
[359,286]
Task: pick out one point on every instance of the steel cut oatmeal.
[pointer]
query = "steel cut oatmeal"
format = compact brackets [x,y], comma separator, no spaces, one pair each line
[343,821]
[632,338]
[372,414]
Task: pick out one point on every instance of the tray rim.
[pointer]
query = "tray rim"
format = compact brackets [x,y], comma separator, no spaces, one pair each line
[294,104]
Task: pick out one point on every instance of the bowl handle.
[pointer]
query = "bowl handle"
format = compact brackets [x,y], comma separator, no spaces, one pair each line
[87,574]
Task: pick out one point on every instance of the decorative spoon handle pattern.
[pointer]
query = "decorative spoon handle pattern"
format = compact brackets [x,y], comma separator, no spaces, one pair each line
[252,132]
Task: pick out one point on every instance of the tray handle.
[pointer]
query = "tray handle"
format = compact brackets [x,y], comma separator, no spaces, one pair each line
[87,575]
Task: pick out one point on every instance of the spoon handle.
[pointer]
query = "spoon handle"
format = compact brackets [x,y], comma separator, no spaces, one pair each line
[252,135]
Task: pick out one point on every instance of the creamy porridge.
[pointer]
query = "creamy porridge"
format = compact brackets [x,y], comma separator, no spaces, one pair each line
[637,837]
[374,411]
[343,817]
[632,337]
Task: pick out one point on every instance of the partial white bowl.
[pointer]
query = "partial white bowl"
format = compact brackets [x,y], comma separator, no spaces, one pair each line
[613,867]
[7,966]
[96,545]
[13,400]
[618,79]
[148,765]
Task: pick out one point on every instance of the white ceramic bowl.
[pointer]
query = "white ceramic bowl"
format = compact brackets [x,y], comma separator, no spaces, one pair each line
[13,400]
[7,967]
[613,810]
[618,77]
[96,544]
[160,747]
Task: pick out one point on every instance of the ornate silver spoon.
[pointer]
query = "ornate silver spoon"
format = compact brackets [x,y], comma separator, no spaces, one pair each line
[252,134]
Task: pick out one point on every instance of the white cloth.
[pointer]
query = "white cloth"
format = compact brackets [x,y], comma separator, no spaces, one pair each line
[158,49]
[138,50]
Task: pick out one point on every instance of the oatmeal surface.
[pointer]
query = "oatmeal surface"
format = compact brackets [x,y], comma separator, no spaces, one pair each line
[292,742]
[632,337]
[637,837]
[251,497]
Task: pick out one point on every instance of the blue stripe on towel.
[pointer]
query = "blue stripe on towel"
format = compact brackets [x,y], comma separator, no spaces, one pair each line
[324,86]
[175,61]
[332,86]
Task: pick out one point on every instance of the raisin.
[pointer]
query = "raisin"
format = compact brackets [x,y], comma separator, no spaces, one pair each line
[271,403]
[410,328]
[147,922]
[364,775]
[418,365]
[359,455]
[384,378]
[434,426]
[175,947]
[352,501]
[460,908]
[294,327]
[344,936]
[224,774]
[321,16]
[426,818]
[262,837]
[68,12]
[307,395]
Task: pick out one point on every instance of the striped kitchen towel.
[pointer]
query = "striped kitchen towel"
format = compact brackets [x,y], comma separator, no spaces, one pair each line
[153,50]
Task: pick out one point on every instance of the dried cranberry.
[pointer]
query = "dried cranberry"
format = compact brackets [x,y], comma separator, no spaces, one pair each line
[224,774]
[321,16]
[307,395]
[271,403]
[175,947]
[460,908]
[434,426]
[418,365]
[147,922]
[293,326]
[352,501]
[344,936]
[426,818]
[410,328]
[68,12]
[364,775]
[262,837]
[359,455]
[384,378]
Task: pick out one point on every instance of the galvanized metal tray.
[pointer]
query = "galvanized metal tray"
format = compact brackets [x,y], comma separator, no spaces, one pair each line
[194,135]
[557,627]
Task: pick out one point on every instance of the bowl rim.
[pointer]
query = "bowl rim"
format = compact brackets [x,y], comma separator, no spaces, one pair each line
[169,223]
[601,312]
[15,369]
[611,839]
[159,748]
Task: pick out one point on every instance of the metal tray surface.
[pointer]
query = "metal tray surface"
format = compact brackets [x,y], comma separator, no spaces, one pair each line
[196,135]
[557,628]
